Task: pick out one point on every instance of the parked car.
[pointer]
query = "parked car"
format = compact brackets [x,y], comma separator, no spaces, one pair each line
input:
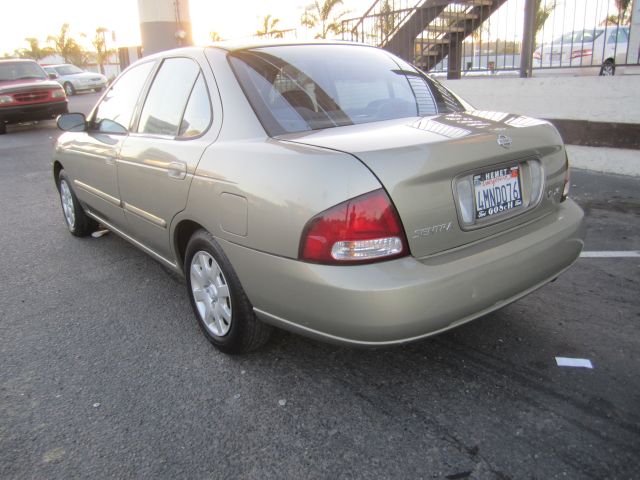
[601,47]
[329,189]
[26,93]
[75,80]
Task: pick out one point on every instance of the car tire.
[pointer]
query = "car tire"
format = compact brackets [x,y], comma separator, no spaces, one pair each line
[608,69]
[69,89]
[3,127]
[219,302]
[78,223]
[99,89]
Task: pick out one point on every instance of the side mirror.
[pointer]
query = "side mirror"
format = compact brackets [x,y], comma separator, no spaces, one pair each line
[53,76]
[72,122]
[109,126]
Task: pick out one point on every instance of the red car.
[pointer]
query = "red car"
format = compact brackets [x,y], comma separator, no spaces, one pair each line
[27,93]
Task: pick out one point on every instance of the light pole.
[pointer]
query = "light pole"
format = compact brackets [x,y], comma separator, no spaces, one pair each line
[164,24]
[528,38]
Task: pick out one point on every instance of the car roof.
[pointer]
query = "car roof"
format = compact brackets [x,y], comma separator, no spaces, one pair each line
[21,60]
[234,45]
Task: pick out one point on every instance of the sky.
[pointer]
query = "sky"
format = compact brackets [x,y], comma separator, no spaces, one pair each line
[231,19]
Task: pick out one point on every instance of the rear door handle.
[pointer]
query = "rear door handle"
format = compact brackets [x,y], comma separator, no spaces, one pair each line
[177,170]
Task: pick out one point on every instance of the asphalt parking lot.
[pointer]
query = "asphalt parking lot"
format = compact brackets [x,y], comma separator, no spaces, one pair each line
[104,372]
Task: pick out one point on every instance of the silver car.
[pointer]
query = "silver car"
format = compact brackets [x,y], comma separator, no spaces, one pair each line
[74,79]
[332,190]
[603,47]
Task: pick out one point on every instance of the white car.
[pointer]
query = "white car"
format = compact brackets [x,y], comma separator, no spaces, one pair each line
[603,47]
[74,79]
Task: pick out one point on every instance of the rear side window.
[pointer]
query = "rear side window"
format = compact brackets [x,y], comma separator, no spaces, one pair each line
[120,101]
[167,98]
[197,115]
[311,87]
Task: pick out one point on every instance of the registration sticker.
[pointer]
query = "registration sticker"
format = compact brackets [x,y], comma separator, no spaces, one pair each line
[497,191]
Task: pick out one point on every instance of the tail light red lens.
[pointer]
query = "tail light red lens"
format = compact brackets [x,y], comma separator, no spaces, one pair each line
[581,53]
[364,229]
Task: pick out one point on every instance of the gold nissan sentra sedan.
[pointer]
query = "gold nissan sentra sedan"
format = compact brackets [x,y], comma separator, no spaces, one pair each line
[330,189]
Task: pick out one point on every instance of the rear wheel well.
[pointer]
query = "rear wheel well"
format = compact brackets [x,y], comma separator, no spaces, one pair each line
[184,231]
[57,166]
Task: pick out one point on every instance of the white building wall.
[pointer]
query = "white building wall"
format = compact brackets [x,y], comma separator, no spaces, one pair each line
[599,99]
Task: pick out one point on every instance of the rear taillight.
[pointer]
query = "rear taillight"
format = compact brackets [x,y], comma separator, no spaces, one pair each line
[537,55]
[581,53]
[361,230]
[567,180]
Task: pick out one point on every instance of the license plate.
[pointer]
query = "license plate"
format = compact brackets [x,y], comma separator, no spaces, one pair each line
[497,191]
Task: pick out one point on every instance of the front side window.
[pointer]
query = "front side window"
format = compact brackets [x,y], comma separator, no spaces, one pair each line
[120,101]
[167,98]
[311,87]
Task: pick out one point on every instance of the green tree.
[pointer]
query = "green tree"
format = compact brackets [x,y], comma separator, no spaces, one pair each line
[34,51]
[623,16]
[67,47]
[386,22]
[215,37]
[323,16]
[542,14]
[100,44]
[269,28]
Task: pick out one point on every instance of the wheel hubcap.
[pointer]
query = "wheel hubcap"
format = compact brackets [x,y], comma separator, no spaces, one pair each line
[211,293]
[67,204]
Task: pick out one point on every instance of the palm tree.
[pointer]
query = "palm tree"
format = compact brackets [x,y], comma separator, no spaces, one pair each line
[542,14]
[386,22]
[215,37]
[100,44]
[34,51]
[67,47]
[269,28]
[622,18]
[322,15]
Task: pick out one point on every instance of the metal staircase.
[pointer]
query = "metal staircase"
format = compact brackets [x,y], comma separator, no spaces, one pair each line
[422,32]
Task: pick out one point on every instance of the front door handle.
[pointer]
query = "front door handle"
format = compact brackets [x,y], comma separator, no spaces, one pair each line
[109,160]
[177,170]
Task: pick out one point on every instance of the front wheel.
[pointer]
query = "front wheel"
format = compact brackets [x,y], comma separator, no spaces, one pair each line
[3,127]
[78,223]
[224,312]
[69,89]
[608,69]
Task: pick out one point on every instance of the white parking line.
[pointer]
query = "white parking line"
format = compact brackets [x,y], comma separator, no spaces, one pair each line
[612,254]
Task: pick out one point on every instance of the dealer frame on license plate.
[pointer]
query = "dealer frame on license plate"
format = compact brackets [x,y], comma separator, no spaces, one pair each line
[496,192]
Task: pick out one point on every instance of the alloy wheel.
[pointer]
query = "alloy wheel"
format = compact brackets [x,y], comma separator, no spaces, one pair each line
[67,204]
[211,294]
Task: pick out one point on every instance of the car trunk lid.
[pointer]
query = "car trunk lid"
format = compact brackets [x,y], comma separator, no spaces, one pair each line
[420,161]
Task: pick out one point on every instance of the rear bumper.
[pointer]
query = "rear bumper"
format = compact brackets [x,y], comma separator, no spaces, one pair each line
[36,111]
[408,299]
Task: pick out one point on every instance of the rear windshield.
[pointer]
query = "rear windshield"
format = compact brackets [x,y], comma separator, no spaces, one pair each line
[11,71]
[311,87]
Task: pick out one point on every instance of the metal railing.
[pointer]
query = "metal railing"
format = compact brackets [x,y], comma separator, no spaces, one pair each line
[485,36]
